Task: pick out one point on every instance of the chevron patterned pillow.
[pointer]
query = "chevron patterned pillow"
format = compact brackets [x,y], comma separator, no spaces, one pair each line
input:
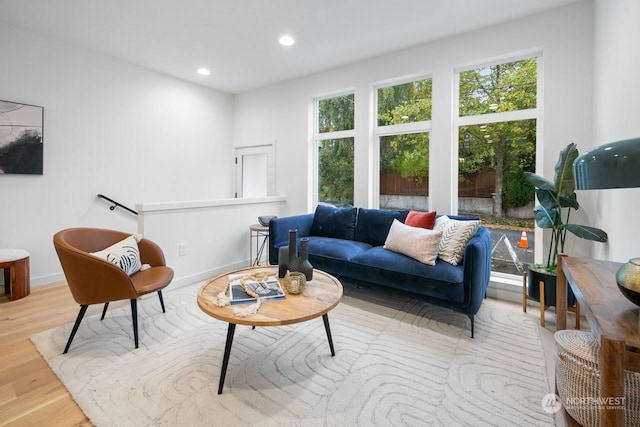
[455,236]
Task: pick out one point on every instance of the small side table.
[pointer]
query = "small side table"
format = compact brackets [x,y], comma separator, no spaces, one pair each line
[15,263]
[261,234]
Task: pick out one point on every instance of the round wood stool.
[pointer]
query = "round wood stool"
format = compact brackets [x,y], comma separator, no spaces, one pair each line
[15,263]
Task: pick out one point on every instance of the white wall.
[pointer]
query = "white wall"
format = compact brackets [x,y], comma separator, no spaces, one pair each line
[565,36]
[215,234]
[617,117]
[109,127]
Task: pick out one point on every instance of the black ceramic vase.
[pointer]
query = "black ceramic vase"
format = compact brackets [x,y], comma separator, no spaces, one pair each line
[289,260]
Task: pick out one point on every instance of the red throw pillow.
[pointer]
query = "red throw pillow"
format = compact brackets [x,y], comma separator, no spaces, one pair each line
[421,219]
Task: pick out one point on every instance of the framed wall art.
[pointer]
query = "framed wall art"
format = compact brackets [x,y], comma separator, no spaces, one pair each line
[21,150]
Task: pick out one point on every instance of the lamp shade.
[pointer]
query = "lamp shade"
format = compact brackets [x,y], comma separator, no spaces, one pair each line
[613,165]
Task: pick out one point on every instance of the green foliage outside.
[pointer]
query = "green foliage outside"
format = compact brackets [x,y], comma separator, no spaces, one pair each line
[335,162]
[508,148]
[335,156]
[405,154]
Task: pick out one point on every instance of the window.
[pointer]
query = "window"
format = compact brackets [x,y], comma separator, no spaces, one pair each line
[334,138]
[403,125]
[497,128]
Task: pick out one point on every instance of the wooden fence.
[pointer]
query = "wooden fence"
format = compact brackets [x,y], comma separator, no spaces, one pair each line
[480,185]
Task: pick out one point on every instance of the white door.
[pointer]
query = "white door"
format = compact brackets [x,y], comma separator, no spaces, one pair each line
[255,171]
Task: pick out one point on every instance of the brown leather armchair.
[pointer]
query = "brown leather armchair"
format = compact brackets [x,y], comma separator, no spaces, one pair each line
[93,280]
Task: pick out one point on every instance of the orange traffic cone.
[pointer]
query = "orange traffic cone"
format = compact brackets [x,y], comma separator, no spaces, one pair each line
[524,243]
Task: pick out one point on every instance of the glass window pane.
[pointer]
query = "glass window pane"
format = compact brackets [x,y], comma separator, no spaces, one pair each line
[491,183]
[404,171]
[335,114]
[499,88]
[335,171]
[404,103]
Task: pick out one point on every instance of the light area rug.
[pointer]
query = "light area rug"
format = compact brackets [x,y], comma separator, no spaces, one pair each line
[399,361]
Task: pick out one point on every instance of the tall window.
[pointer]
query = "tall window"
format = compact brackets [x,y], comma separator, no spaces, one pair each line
[496,144]
[404,121]
[334,141]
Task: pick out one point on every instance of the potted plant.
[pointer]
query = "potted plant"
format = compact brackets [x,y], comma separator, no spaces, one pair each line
[556,201]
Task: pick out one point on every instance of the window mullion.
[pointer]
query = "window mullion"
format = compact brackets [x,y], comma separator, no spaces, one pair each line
[507,116]
[336,135]
[414,127]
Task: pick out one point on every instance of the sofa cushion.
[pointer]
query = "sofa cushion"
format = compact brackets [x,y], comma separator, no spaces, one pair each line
[455,236]
[332,255]
[336,248]
[387,268]
[415,242]
[373,224]
[421,219]
[329,221]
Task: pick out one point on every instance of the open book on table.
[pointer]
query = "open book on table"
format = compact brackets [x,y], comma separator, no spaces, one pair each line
[268,290]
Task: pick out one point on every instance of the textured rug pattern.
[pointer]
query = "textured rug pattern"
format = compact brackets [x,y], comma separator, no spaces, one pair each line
[399,361]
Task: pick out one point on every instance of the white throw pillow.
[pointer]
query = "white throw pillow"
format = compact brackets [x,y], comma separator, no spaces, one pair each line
[418,243]
[455,236]
[125,254]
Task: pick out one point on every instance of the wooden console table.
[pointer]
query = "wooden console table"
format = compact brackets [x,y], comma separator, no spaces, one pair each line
[613,320]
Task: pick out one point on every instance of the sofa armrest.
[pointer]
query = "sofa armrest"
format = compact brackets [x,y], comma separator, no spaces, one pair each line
[279,232]
[477,268]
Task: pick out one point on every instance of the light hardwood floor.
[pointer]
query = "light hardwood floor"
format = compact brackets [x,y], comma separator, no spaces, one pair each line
[30,393]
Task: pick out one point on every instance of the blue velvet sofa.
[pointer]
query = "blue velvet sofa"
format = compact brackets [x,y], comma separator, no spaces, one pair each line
[348,243]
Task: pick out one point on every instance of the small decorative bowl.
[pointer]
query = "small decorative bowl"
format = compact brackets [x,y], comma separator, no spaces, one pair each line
[264,220]
[294,282]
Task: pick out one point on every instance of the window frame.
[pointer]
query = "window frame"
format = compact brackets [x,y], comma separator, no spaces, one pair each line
[317,136]
[536,114]
[379,131]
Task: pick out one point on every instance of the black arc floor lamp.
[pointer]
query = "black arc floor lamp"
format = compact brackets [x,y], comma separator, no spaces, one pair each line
[614,165]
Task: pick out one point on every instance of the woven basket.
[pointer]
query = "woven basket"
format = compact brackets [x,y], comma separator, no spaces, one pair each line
[578,379]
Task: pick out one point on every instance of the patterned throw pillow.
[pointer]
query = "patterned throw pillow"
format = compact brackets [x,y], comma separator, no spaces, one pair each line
[418,243]
[124,254]
[455,236]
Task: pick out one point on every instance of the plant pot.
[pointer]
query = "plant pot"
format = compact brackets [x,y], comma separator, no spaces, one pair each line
[550,285]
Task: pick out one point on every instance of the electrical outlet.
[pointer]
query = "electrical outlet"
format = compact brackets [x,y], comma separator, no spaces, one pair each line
[182,249]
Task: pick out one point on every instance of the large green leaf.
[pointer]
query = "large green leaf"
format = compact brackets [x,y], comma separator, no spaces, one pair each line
[563,179]
[547,198]
[588,233]
[569,202]
[540,182]
[545,218]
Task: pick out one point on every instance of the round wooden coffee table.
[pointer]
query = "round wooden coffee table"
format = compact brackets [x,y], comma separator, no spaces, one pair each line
[320,295]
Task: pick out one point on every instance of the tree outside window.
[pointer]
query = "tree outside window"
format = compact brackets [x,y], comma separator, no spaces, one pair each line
[404,115]
[335,142]
[497,145]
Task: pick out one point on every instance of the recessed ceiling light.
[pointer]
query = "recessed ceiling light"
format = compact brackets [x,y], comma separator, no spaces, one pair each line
[204,71]
[286,40]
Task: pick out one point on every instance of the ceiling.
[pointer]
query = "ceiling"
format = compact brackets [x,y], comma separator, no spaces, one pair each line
[238,39]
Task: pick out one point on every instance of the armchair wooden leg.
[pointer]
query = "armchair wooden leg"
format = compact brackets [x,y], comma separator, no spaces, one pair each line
[104,310]
[83,310]
[161,300]
[134,317]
